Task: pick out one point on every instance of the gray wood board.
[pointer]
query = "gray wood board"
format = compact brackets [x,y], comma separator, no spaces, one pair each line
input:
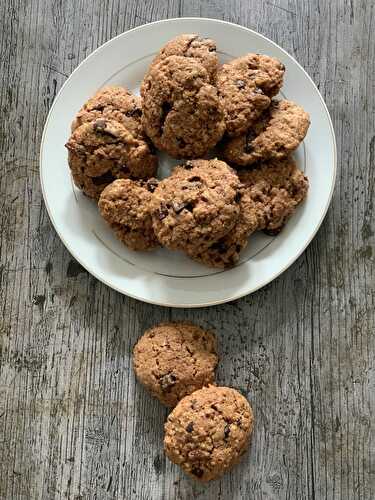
[73,422]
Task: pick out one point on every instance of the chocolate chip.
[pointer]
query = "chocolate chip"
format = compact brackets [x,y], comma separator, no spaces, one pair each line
[178,207]
[196,178]
[188,165]
[238,196]
[258,90]
[167,382]
[189,207]
[106,178]
[220,247]
[190,427]
[211,49]
[282,66]
[272,232]
[99,125]
[124,168]
[238,248]
[197,471]
[240,84]
[163,213]
[214,407]
[152,184]
[250,136]
[226,431]
[134,112]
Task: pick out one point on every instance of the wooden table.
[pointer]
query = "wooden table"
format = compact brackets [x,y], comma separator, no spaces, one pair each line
[73,422]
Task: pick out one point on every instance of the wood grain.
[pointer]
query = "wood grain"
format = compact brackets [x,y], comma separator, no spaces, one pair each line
[73,422]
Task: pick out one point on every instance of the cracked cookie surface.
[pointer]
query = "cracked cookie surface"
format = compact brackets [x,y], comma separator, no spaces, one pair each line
[182,114]
[125,206]
[192,45]
[197,205]
[104,150]
[173,360]
[208,431]
[245,86]
[276,187]
[278,132]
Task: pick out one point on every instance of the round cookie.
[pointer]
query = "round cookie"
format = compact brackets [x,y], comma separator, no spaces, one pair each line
[125,206]
[208,431]
[103,150]
[279,131]
[192,45]
[113,103]
[277,187]
[245,87]
[197,205]
[173,360]
[182,114]
[226,251]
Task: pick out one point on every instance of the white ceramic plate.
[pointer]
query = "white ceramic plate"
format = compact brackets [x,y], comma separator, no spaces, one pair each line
[164,277]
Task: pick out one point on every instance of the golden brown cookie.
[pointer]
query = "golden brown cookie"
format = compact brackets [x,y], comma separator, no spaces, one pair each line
[103,150]
[182,114]
[174,359]
[197,205]
[245,86]
[277,133]
[277,187]
[208,431]
[192,45]
[125,206]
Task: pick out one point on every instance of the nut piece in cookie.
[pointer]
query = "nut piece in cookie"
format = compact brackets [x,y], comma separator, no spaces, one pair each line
[113,103]
[103,150]
[226,251]
[196,206]
[125,206]
[173,360]
[208,431]
[276,187]
[192,45]
[182,114]
[277,133]
[245,86]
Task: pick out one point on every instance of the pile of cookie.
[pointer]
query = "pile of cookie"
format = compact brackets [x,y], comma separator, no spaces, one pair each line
[209,428]
[189,104]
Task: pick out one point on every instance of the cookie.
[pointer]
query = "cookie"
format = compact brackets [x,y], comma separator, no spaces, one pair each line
[208,431]
[192,45]
[279,131]
[103,150]
[276,187]
[197,205]
[125,206]
[173,360]
[226,251]
[182,114]
[245,86]
[113,103]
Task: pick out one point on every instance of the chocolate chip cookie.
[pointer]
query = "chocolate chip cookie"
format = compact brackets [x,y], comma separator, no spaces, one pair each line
[172,360]
[102,150]
[125,206]
[208,431]
[192,45]
[113,103]
[245,86]
[182,114]
[277,133]
[277,187]
[196,206]
[226,251]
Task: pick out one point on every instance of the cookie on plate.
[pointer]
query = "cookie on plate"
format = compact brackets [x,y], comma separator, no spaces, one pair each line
[125,206]
[277,187]
[173,360]
[245,86]
[192,45]
[103,150]
[182,114]
[196,206]
[113,103]
[278,132]
[226,251]
[208,431]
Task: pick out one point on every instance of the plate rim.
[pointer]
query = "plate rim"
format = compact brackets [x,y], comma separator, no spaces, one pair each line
[240,294]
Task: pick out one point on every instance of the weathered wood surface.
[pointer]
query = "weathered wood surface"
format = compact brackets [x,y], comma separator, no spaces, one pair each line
[73,422]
